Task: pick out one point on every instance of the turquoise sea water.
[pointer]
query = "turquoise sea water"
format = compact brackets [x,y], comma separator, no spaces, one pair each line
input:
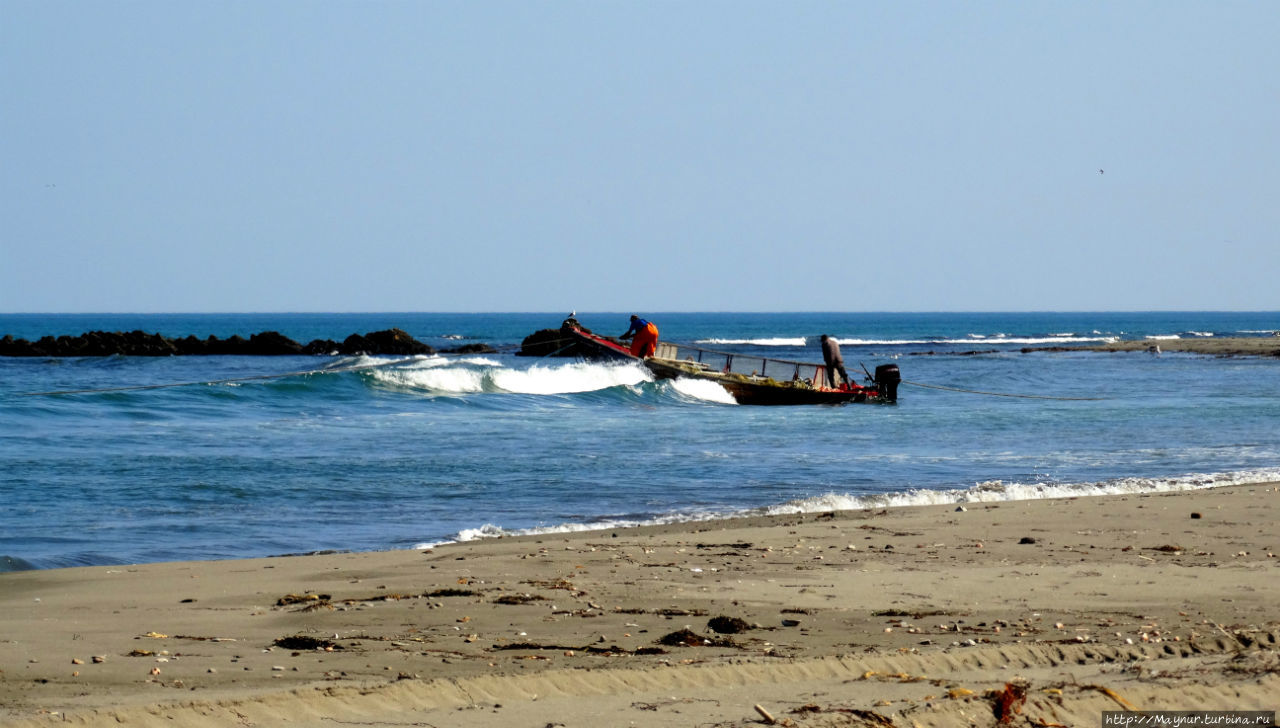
[446,448]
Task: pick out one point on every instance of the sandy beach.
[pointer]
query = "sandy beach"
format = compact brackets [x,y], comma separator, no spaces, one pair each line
[1033,613]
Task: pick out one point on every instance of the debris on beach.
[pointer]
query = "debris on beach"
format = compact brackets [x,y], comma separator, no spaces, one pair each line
[728,625]
[689,638]
[519,599]
[1008,702]
[665,612]
[452,593]
[866,717]
[569,650]
[288,599]
[304,642]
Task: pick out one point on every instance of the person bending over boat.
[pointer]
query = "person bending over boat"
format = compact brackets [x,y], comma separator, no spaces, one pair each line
[645,342]
[835,362]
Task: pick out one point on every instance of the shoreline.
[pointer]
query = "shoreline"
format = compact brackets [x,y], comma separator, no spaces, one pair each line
[977,495]
[912,613]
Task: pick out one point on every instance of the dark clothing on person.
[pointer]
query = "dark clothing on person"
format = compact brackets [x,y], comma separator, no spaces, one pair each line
[637,325]
[834,361]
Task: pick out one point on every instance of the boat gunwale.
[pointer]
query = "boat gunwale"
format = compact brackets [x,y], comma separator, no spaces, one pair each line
[749,385]
[605,340]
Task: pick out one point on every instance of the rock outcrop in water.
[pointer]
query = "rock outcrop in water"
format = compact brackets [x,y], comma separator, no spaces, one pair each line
[267,343]
[554,342]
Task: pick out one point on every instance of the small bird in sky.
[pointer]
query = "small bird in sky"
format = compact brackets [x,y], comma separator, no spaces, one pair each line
[1100,172]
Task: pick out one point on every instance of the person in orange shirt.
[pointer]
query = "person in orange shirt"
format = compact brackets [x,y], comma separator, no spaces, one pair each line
[645,342]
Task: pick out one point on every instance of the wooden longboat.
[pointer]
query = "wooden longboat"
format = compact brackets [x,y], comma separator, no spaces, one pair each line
[750,380]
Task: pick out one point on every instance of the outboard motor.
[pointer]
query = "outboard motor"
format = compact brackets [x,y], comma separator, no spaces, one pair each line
[887,378]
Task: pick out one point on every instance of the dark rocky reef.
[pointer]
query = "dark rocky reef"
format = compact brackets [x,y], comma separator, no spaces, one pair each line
[470,349]
[954,353]
[267,343]
[555,342]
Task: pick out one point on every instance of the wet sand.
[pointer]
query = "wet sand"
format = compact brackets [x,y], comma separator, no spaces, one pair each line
[1055,609]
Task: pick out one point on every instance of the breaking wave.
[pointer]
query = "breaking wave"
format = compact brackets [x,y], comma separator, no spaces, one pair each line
[569,378]
[769,341]
[796,342]
[1050,339]
[701,389]
[479,374]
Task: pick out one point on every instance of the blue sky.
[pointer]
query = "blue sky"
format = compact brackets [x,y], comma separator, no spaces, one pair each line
[663,156]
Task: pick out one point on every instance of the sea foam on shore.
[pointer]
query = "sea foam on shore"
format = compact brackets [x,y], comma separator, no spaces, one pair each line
[994,491]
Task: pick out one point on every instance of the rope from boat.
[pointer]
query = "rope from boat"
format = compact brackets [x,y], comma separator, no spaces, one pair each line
[1002,394]
[557,351]
[256,377]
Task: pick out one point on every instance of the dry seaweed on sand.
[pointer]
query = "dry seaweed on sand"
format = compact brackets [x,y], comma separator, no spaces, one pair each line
[450,592]
[289,599]
[729,625]
[667,612]
[868,717]
[689,638]
[519,599]
[312,602]
[552,584]
[591,649]
[1008,702]
[303,642]
[914,614]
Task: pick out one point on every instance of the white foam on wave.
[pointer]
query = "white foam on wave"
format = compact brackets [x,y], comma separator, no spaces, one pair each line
[969,339]
[988,492]
[436,361]
[569,378]
[703,390]
[1052,339]
[365,361]
[437,373]
[888,342]
[479,374]
[1162,337]
[1201,333]
[451,379]
[998,491]
[771,341]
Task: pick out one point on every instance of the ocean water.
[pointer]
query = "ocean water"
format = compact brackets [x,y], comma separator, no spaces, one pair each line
[372,453]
